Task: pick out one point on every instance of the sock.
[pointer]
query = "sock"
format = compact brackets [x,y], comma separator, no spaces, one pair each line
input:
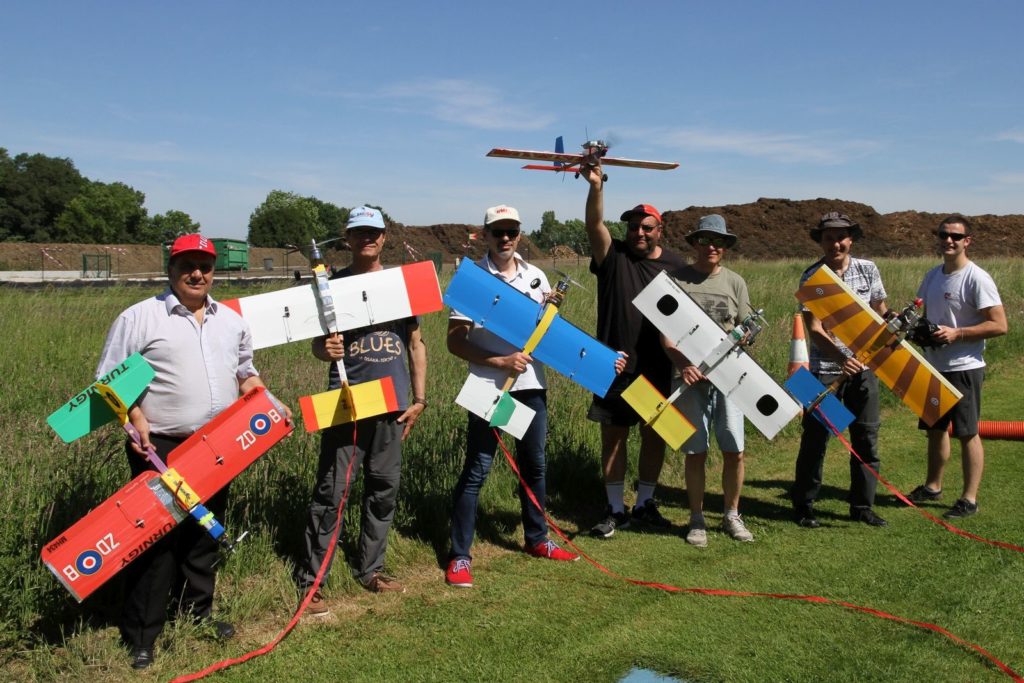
[696,520]
[644,492]
[615,491]
[732,514]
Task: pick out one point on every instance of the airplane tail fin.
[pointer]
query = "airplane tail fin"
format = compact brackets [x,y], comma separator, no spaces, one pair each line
[488,402]
[806,389]
[559,148]
[88,410]
[653,408]
[339,406]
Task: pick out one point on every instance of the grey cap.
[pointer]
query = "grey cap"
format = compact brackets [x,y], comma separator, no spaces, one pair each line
[712,225]
[834,219]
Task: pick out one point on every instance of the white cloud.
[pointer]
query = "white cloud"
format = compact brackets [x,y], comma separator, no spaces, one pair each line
[467,103]
[1012,135]
[817,148]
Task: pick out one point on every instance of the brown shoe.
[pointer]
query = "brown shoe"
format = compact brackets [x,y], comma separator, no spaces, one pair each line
[379,583]
[317,606]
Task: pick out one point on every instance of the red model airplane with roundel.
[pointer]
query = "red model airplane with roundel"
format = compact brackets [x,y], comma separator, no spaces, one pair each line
[594,152]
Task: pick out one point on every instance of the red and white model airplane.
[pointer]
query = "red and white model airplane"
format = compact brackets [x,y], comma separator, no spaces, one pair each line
[594,152]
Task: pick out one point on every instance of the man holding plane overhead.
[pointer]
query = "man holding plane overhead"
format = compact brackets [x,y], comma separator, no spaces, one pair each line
[394,349]
[201,352]
[494,359]
[831,359]
[623,268]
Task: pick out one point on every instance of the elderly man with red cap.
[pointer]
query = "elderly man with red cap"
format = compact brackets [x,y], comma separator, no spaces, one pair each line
[623,268]
[201,352]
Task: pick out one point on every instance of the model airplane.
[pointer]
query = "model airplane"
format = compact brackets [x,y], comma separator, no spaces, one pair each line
[878,344]
[594,152]
[121,528]
[703,342]
[519,320]
[333,306]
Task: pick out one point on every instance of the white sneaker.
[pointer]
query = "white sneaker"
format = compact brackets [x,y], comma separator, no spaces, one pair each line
[735,527]
[697,536]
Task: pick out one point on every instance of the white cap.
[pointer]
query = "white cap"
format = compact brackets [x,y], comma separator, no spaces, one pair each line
[365,217]
[501,213]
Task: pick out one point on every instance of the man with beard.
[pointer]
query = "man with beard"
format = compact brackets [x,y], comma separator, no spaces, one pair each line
[623,268]
[831,359]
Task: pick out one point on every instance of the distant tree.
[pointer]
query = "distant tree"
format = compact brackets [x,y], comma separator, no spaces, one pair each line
[103,213]
[286,218]
[34,190]
[166,226]
[553,232]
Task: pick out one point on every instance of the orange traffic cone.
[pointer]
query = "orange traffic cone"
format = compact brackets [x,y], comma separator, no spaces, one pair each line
[798,346]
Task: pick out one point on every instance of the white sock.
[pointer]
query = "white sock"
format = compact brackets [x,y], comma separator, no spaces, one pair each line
[644,492]
[615,491]
[732,514]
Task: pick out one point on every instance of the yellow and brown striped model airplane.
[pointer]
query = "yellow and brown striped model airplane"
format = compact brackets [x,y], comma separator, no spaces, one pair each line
[896,363]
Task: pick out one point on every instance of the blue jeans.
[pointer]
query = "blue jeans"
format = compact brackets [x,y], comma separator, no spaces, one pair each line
[480,448]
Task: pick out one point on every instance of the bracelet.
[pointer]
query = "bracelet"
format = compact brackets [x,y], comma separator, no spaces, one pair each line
[419,399]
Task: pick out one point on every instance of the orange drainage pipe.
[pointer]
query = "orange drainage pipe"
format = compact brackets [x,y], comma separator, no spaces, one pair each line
[1005,431]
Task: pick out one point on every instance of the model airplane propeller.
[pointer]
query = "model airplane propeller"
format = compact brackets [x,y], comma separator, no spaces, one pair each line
[879,344]
[121,528]
[534,328]
[333,306]
[593,152]
[703,342]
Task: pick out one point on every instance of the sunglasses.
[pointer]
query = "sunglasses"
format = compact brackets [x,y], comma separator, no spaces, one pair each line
[366,233]
[955,236]
[717,242]
[510,233]
[636,227]
[192,266]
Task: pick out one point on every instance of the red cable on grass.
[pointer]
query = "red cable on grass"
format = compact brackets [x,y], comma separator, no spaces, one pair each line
[252,654]
[746,594]
[927,515]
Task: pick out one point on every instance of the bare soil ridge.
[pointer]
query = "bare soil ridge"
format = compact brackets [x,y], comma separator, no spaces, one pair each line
[767,229]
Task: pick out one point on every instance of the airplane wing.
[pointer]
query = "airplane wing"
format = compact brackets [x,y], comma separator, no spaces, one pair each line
[293,314]
[121,528]
[738,376]
[569,161]
[859,327]
[513,316]
[88,411]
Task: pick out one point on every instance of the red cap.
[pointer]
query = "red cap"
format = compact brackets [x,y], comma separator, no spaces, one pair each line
[193,242]
[641,210]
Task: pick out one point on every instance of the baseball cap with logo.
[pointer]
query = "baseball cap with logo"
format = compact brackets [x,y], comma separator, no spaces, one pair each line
[193,242]
[641,210]
[365,217]
[501,213]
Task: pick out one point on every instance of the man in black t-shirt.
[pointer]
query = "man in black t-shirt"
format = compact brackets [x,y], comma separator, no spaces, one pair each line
[623,268]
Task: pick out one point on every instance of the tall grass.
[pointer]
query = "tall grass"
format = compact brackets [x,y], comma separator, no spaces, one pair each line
[590,626]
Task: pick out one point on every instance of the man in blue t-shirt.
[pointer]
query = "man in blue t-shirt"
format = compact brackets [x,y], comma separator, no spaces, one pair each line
[394,349]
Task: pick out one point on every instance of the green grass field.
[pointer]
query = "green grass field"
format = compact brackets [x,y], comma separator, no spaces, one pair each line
[527,618]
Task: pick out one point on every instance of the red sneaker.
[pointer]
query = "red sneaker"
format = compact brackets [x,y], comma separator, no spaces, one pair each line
[458,574]
[549,550]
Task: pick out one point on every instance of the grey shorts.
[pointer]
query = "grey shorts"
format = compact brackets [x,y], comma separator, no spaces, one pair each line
[703,404]
[964,415]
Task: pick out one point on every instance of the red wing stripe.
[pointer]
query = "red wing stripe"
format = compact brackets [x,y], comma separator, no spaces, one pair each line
[233,305]
[932,402]
[841,315]
[906,378]
[810,291]
[421,287]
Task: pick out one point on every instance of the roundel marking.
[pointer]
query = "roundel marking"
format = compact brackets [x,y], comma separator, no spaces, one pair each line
[667,305]
[89,562]
[259,424]
[934,401]
[767,404]
[819,291]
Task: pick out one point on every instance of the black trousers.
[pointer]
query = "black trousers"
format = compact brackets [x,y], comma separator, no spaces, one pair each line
[181,564]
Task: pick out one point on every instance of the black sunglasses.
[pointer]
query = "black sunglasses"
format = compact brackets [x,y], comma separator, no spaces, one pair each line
[510,233]
[191,266]
[955,236]
[634,227]
[717,242]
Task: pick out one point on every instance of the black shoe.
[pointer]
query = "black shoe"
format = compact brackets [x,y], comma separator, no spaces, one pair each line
[868,516]
[223,630]
[648,514]
[923,494]
[961,508]
[614,520]
[806,519]
[142,657]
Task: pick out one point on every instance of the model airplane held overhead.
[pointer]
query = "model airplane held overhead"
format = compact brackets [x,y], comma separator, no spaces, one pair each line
[594,152]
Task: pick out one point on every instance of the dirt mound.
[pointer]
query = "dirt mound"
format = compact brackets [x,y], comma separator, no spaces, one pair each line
[778,228]
[767,229]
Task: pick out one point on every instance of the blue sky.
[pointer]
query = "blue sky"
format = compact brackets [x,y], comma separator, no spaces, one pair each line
[208,106]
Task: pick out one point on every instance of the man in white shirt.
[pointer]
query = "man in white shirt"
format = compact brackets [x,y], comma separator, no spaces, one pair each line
[962,300]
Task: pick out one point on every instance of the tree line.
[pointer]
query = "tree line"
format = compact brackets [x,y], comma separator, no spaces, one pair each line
[46,199]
